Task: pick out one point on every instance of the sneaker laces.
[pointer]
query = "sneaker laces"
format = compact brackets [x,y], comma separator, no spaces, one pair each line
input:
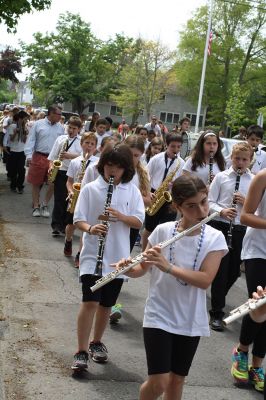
[98,347]
[81,356]
[258,374]
[242,360]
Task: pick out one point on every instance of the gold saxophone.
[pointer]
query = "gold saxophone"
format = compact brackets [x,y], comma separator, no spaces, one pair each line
[162,194]
[57,164]
[76,188]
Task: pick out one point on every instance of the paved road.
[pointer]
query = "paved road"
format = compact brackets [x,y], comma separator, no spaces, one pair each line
[40,296]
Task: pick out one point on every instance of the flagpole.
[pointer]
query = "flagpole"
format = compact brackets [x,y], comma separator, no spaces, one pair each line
[204,67]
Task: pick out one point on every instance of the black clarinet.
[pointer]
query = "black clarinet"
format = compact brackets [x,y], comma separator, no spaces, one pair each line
[105,221]
[231,226]
[211,176]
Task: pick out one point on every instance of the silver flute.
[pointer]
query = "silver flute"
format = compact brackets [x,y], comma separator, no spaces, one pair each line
[231,225]
[244,309]
[105,221]
[141,257]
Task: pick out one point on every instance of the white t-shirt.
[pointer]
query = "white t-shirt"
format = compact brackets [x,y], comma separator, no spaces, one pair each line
[127,199]
[173,307]
[201,172]
[156,168]
[16,145]
[255,239]
[74,168]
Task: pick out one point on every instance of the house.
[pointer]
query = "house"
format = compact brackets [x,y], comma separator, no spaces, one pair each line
[170,109]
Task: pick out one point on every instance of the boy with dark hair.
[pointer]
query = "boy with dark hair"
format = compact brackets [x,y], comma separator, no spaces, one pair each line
[65,148]
[159,167]
[101,133]
[254,138]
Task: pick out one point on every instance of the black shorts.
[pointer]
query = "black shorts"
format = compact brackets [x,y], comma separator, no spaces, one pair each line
[106,296]
[166,213]
[167,352]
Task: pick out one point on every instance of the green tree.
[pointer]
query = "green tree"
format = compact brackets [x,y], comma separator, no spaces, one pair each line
[73,65]
[11,10]
[145,79]
[9,65]
[238,53]
[235,111]
[6,94]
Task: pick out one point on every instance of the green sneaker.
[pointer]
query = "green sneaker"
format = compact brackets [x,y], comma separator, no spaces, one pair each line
[239,369]
[115,314]
[256,378]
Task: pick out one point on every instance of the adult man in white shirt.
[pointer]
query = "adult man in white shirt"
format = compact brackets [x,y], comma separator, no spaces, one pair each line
[154,126]
[42,136]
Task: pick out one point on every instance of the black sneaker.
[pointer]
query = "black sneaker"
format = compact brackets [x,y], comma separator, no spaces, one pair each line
[98,352]
[68,248]
[56,232]
[216,324]
[77,260]
[80,361]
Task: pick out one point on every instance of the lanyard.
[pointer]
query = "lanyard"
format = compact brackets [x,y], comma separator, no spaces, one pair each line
[70,144]
[167,168]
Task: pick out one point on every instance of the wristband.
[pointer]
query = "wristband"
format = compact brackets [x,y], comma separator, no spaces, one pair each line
[169,269]
[89,230]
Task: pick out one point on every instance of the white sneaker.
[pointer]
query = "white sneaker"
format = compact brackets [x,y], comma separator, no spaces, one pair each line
[45,212]
[36,212]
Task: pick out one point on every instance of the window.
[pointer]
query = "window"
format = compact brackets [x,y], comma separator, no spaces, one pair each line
[116,111]
[176,118]
[169,118]
[91,107]
[162,97]
[141,112]
[163,116]
[193,118]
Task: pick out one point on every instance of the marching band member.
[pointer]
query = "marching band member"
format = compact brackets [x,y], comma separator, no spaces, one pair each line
[128,209]
[208,149]
[227,194]
[254,254]
[159,167]
[175,315]
[75,173]
[66,147]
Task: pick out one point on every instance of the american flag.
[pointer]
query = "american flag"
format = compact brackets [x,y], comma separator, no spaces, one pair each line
[210,43]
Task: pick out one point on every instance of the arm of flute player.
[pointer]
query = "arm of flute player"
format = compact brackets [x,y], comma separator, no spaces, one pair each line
[131,221]
[201,279]
[252,201]
[259,314]
[97,229]
[137,271]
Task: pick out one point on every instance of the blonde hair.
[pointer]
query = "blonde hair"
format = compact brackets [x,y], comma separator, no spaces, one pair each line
[137,142]
[90,136]
[242,146]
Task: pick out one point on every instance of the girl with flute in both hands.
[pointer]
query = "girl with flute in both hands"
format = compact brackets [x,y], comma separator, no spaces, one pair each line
[226,195]
[175,315]
[208,149]
[254,254]
[127,208]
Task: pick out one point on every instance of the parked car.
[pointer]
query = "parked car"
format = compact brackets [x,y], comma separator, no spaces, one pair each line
[228,146]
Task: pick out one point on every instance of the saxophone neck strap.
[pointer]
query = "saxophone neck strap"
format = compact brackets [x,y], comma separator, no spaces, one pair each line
[167,167]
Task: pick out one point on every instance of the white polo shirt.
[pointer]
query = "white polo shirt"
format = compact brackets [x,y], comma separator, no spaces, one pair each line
[127,199]
[75,166]
[58,146]
[91,173]
[222,189]
[156,168]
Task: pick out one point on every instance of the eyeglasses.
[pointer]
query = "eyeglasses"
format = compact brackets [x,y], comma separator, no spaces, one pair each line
[57,113]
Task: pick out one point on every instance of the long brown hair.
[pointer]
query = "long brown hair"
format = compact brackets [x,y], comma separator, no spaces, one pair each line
[198,157]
